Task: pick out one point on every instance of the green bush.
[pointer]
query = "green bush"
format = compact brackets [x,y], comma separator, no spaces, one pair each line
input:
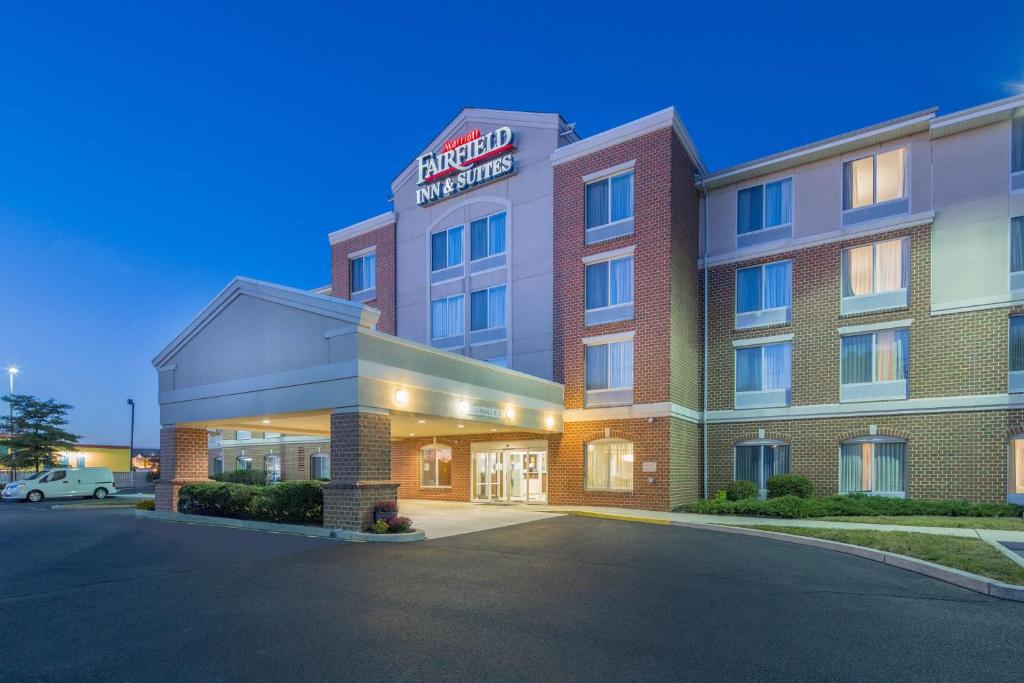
[290,502]
[250,477]
[789,485]
[792,507]
[741,490]
[147,504]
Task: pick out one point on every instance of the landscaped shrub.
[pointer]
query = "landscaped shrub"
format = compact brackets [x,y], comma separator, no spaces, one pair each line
[290,502]
[791,507]
[399,524]
[250,477]
[741,490]
[789,485]
[147,504]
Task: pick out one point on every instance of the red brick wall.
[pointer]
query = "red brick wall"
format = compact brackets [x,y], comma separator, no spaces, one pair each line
[383,239]
[183,459]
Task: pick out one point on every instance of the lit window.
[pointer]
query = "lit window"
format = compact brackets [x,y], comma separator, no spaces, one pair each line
[609,200]
[218,465]
[362,273]
[436,466]
[874,366]
[1017,250]
[759,461]
[243,462]
[763,294]
[319,466]
[875,276]
[875,465]
[609,283]
[446,317]
[763,375]
[487,308]
[609,466]
[763,207]
[609,366]
[487,236]
[272,466]
[875,179]
[446,248]
[1015,483]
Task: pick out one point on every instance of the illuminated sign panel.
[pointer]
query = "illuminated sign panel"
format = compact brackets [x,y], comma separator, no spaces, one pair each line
[464,163]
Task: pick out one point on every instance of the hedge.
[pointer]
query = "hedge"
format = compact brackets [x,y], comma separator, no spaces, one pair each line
[251,477]
[789,485]
[740,490]
[792,507]
[290,502]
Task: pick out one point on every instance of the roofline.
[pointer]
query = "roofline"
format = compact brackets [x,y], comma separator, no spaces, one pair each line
[349,231]
[664,118]
[862,137]
[980,115]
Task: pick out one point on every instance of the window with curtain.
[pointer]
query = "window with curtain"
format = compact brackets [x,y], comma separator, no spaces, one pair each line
[218,465]
[609,466]
[875,179]
[446,316]
[436,466]
[873,465]
[609,283]
[272,466]
[874,268]
[1017,244]
[762,207]
[764,287]
[487,236]
[757,461]
[243,462]
[446,248]
[609,200]
[319,466]
[764,368]
[362,273]
[609,366]
[1017,145]
[875,357]
[1016,343]
[487,308]
[1016,474]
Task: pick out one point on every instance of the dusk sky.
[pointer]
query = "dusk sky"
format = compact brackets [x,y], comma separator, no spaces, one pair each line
[149,152]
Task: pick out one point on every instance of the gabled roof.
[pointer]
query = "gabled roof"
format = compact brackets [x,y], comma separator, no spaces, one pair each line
[981,115]
[321,304]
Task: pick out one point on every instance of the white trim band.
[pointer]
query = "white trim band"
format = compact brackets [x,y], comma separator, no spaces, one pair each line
[608,338]
[874,327]
[609,255]
[608,172]
[762,341]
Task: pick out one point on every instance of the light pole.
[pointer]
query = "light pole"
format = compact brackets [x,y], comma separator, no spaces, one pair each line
[131,442]
[11,372]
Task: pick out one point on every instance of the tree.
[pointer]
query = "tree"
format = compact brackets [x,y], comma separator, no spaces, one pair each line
[38,433]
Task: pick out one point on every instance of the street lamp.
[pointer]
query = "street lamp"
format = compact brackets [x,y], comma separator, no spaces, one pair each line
[11,372]
[131,442]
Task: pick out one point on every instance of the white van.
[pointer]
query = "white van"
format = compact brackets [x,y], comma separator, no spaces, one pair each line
[88,482]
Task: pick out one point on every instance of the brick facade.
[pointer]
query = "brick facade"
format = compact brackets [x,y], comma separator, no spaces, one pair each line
[360,469]
[383,241]
[183,459]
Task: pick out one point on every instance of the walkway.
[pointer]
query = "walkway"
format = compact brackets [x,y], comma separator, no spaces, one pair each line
[439,518]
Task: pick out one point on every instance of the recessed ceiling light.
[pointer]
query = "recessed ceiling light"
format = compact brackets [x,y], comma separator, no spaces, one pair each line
[412,433]
[422,422]
[266,422]
[549,421]
[494,430]
[463,407]
[461,426]
[401,397]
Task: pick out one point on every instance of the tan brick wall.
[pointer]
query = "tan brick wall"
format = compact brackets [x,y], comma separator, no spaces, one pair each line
[360,469]
[183,459]
[383,239]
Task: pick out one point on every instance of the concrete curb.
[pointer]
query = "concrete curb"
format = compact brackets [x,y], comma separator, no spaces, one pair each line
[293,529]
[93,506]
[957,577]
[619,518]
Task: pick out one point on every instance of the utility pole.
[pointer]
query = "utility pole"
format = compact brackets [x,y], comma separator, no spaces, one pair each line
[131,443]
[11,372]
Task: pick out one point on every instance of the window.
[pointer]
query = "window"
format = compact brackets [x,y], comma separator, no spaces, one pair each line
[243,462]
[446,248]
[610,366]
[487,237]
[319,466]
[243,436]
[874,365]
[763,294]
[875,465]
[362,273]
[609,200]
[875,276]
[58,475]
[218,465]
[446,317]
[500,361]
[757,461]
[487,308]
[609,283]
[875,179]
[79,461]
[1015,473]
[1016,347]
[272,466]
[436,466]
[763,375]
[1017,145]
[763,207]
[1017,253]
[609,466]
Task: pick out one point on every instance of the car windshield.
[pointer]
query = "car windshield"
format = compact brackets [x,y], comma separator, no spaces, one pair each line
[36,475]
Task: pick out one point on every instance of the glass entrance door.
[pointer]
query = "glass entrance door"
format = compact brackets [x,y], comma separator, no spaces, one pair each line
[510,475]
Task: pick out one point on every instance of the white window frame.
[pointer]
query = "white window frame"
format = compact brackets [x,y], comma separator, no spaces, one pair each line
[631,460]
[488,233]
[762,316]
[609,367]
[239,459]
[218,461]
[1014,378]
[762,398]
[462,308]
[1016,282]
[490,326]
[447,257]
[874,177]
[609,177]
[327,462]
[608,283]
[1016,177]
[352,260]
[875,390]
[271,478]
[875,300]
[762,486]
[875,440]
[419,463]
[764,199]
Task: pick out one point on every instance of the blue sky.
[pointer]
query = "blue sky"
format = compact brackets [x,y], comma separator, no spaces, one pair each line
[149,152]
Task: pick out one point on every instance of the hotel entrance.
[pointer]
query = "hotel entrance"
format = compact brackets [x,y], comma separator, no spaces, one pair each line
[507,473]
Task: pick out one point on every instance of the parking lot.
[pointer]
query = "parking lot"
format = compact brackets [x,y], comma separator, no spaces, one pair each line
[100,594]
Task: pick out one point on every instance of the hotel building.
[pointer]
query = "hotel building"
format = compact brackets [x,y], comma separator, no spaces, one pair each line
[544,317]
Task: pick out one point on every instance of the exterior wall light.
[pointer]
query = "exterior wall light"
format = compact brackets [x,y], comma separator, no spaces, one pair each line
[266,422]
[549,421]
[401,397]
[463,407]
[510,413]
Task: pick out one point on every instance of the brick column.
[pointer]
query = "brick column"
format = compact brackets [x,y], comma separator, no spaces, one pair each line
[183,459]
[360,468]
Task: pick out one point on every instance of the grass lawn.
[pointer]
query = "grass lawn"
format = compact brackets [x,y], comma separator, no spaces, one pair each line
[1007,523]
[969,554]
